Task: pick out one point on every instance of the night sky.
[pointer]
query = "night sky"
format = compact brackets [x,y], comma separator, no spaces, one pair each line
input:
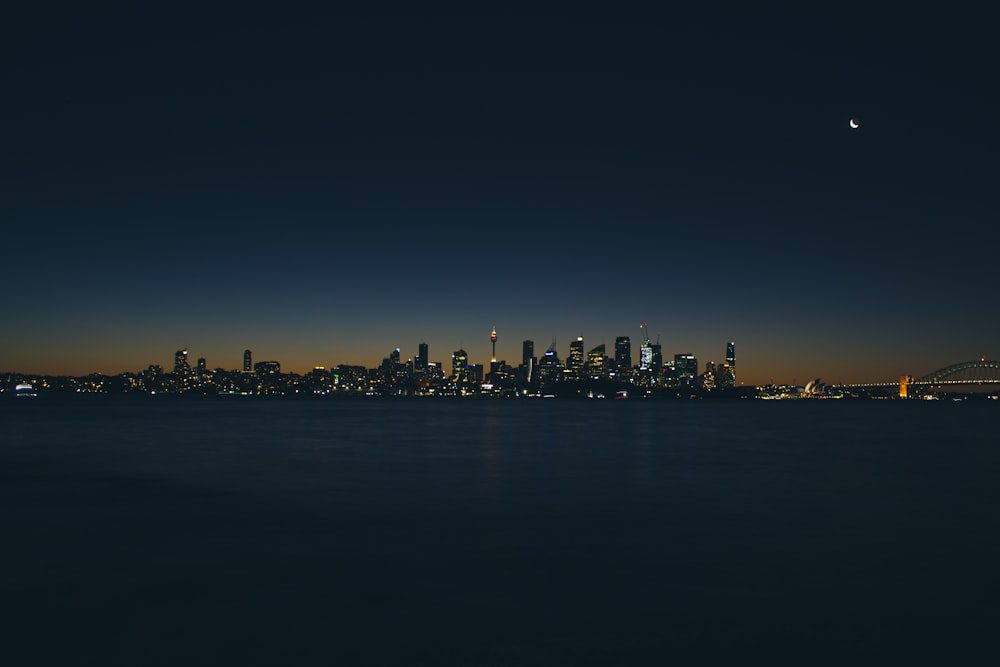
[323,188]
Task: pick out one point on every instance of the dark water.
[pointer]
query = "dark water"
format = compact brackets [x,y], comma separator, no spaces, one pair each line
[426,532]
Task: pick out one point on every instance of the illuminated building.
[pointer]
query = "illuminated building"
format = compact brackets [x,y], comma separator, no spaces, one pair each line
[528,361]
[247,366]
[623,353]
[726,375]
[685,369]
[459,362]
[262,368]
[549,366]
[202,366]
[181,366]
[574,362]
[595,361]
[708,377]
[656,357]
[493,339]
[646,356]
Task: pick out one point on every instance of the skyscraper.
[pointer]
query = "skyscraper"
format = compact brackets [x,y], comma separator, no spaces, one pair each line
[623,353]
[181,366]
[421,363]
[727,376]
[646,356]
[247,365]
[549,366]
[595,361]
[686,369]
[574,362]
[459,362]
[528,361]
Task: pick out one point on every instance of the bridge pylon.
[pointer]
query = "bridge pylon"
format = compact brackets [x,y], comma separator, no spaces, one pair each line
[904,385]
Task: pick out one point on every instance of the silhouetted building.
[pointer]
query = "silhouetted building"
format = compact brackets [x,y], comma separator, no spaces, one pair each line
[459,364]
[528,360]
[262,368]
[247,365]
[596,366]
[202,366]
[727,376]
[181,366]
[623,353]
[550,368]
[707,379]
[685,369]
[574,362]
[421,363]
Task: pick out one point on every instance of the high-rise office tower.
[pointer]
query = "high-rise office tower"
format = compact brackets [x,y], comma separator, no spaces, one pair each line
[549,366]
[527,351]
[574,362]
[727,376]
[646,356]
[623,353]
[708,377]
[595,361]
[459,362]
[685,368]
[656,357]
[247,364]
[181,366]
[202,366]
[421,363]
[528,361]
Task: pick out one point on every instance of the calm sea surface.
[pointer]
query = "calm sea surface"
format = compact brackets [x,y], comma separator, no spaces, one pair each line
[228,530]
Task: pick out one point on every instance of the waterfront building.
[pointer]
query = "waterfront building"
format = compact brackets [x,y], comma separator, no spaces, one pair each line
[459,364]
[646,356]
[262,368]
[181,367]
[685,369]
[550,368]
[656,358]
[528,360]
[707,380]
[623,354]
[574,362]
[727,375]
[596,366]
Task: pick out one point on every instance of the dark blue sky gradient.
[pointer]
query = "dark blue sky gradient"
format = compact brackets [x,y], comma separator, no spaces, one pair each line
[323,188]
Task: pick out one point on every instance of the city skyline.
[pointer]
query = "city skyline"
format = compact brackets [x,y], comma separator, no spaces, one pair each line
[565,351]
[326,187]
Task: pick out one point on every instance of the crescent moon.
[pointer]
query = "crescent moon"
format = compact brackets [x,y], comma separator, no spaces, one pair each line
[854,124]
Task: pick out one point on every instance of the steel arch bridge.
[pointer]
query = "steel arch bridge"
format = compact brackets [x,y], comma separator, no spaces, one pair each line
[980,371]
